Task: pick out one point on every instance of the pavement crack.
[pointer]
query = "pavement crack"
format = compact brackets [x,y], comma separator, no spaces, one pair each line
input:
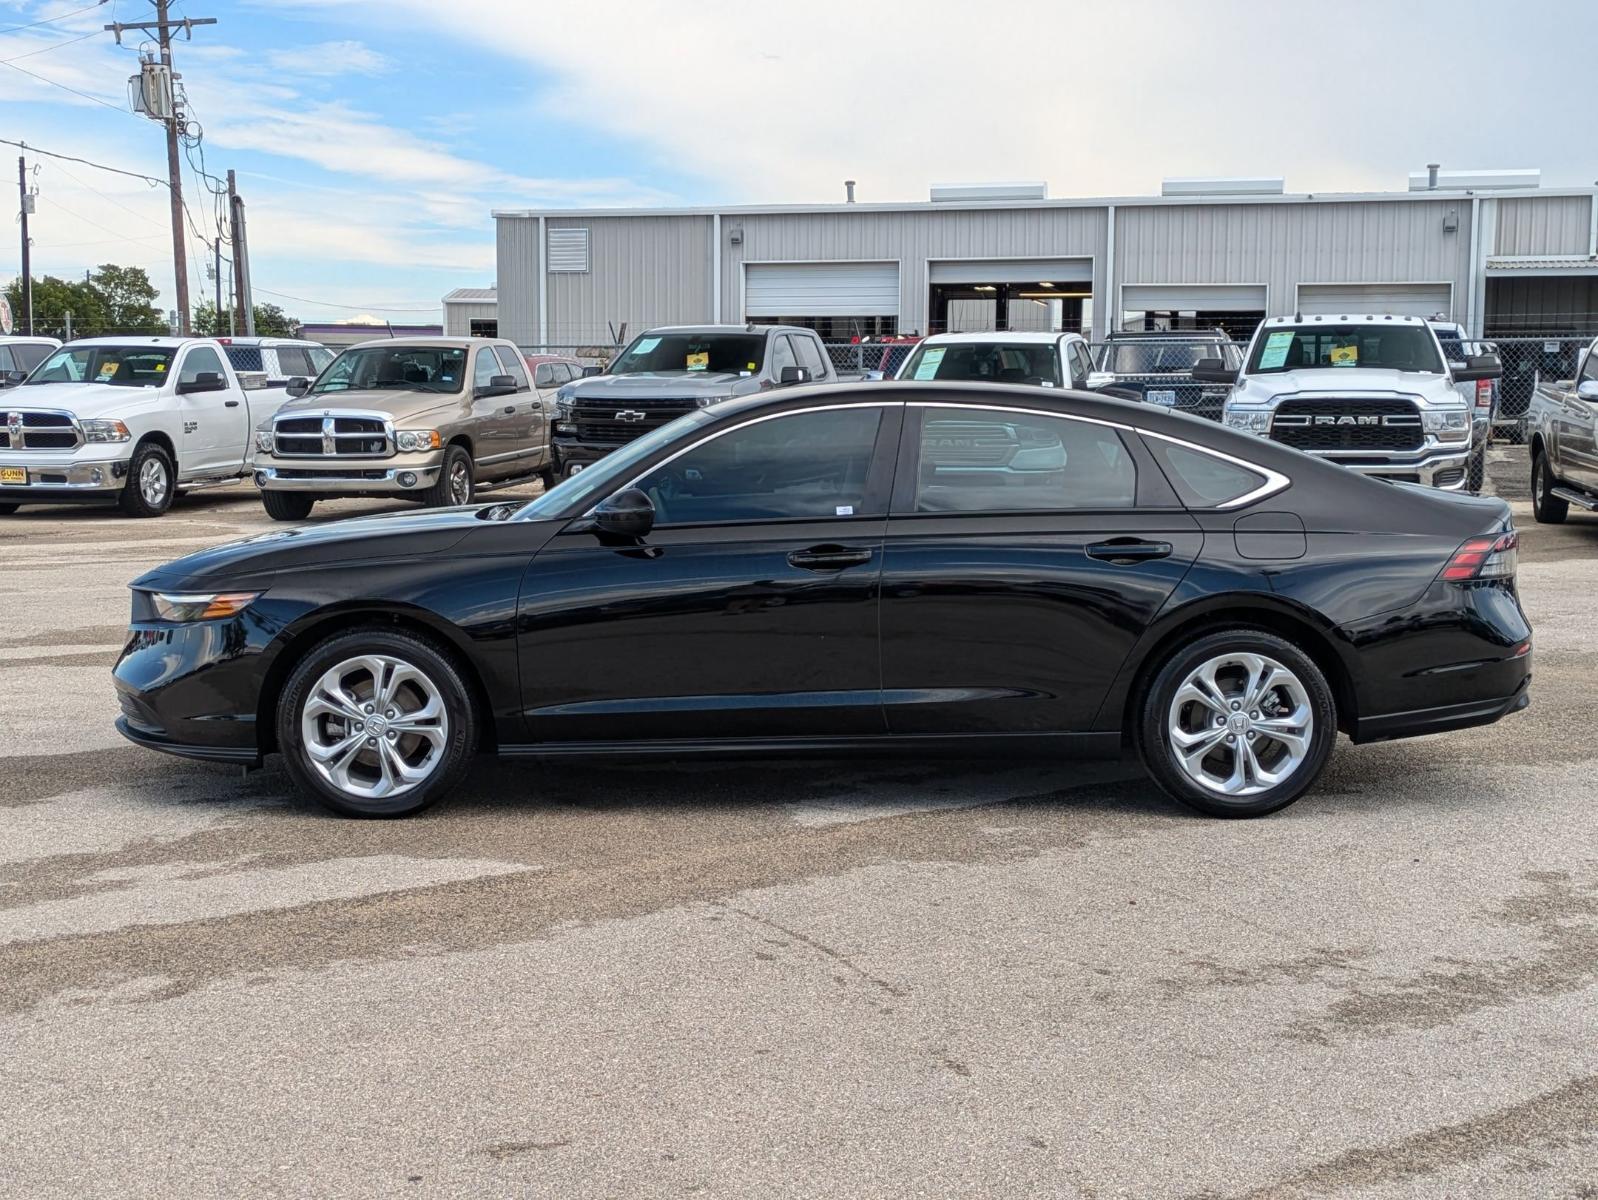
[820,947]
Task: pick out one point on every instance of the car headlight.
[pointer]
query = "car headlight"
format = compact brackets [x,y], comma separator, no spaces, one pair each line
[1249,420]
[263,440]
[184,607]
[417,439]
[707,401]
[1451,425]
[98,430]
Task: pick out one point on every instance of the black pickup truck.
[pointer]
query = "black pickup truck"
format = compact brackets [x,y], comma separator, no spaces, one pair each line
[667,372]
[1157,366]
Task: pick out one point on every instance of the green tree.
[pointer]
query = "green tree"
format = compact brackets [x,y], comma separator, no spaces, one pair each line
[53,299]
[129,298]
[270,321]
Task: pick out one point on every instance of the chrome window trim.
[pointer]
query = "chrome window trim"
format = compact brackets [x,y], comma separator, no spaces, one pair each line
[1275,481]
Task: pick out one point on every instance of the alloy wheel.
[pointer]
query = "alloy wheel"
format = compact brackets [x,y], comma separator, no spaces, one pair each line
[460,483]
[375,726]
[153,482]
[1240,724]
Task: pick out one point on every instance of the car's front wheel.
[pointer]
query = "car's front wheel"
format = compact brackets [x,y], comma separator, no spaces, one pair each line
[377,723]
[456,483]
[1237,724]
[148,491]
[1547,508]
[287,506]
[7,509]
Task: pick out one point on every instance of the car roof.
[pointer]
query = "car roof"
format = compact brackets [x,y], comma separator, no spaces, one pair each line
[1023,337]
[1345,319]
[13,339]
[1177,335]
[268,342]
[139,339]
[447,343]
[756,329]
[535,359]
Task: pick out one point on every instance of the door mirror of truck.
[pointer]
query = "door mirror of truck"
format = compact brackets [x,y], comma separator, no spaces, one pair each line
[591,370]
[1213,370]
[1587,389]
[630,513]
[790,375]
[203,381]
[1480,366]
[1100,379]
[12,378]
[497,385]
[298,386]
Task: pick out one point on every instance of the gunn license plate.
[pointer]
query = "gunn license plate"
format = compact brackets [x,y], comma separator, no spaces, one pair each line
[1167,398]
[13,477]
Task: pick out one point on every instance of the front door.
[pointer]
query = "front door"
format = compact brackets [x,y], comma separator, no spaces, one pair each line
[750,610]
[1577,431]
[1020,566]
[499,419]
[216,425]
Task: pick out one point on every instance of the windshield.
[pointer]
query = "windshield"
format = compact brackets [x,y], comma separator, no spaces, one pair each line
[715,353]
[414,368]
[1390,347]
[119,366]
[578,490]
[1157,357]
[1032,363]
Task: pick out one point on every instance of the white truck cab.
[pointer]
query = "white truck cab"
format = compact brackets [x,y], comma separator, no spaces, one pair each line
[133,420]
[20,354]
[1373,393]
[1051,360]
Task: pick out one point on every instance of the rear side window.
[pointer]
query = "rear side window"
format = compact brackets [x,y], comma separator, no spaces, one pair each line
[1203,480]
[545,375]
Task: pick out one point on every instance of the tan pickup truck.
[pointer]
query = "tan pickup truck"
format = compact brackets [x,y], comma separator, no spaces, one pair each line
[427,419]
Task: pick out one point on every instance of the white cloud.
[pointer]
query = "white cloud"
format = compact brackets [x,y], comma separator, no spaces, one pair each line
[330,59]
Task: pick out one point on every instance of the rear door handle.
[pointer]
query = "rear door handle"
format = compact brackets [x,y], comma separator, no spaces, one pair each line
[829,558]
[1125,551]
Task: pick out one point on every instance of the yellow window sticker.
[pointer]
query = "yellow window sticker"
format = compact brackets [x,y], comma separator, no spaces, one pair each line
[1345,356]
[107,370]
[753,367]
[699,360]
[160,367]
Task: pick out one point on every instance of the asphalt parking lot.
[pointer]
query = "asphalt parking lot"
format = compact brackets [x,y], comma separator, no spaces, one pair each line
[817,978]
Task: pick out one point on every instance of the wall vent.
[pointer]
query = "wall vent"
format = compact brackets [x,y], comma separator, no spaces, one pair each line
[568,251]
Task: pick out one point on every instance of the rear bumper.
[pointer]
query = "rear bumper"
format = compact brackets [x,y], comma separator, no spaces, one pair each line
[1443,718]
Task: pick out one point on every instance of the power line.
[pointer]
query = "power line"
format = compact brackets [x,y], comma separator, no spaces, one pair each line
[53,20]
[350,307]
[65,88]
[151,179]
[53,46]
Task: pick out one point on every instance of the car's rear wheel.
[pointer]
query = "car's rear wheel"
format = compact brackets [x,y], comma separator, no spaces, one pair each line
[287,506]
[148,491]
[1238,724]
[377,723]
[1546,507]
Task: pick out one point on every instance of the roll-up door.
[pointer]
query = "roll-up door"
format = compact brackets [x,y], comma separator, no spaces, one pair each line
[1362,299]
[1011,270]
[836,289]
[1193,297]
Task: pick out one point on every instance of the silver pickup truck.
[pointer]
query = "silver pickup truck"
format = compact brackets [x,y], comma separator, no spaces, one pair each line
[1562,431]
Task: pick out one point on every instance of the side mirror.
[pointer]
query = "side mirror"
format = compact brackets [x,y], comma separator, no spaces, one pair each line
[1480,366]
[12,378]
[630,513]
[1587,389]
[1213,370]
[203,381]
[498,385]
[790,375]
[1100,379]
[592,369]
[298,386]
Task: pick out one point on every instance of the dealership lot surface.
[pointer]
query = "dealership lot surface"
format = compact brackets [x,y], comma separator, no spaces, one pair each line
[822,978]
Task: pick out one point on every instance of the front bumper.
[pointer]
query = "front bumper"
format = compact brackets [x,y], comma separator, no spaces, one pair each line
[569,452]
[54,479]
[347,477]
[1448,471]
[194,689]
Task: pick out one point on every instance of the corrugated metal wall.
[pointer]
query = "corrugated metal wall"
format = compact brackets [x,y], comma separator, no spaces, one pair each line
[516,276]
[458,318]
[1544,225]
[642,271]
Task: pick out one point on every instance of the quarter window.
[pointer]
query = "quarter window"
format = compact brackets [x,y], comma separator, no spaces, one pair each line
[806,466]
[975,460]
[1202,480]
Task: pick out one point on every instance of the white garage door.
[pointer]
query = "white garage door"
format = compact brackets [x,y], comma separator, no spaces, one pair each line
[1360,299]
[837,289]
[1193,297]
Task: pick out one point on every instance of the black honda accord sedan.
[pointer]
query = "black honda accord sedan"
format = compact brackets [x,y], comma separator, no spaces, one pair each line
[938,567]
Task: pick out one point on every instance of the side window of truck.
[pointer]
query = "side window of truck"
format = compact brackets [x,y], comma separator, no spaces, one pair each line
[781,355]
[1589,370]
[809,351]
[198,360]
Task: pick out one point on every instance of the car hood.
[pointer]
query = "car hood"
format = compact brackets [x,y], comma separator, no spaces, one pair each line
[1344,381]
[81,399]
[397,403]
[663,383]
[358,539]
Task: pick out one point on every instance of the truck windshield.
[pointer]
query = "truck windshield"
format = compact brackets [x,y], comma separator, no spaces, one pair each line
[119,366]
[711,353]
[1389,347]
[1035,363]
[413,368]
[1160,357]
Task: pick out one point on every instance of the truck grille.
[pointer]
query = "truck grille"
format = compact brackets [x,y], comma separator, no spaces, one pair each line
[1202,400]
[330,436]
[1327,424]
[617,422]
[38,431]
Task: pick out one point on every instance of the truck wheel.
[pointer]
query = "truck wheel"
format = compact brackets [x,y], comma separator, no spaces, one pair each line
[1476,470]
[547,477]
[455,483]
[149,490]
[1548,508]
[287,506]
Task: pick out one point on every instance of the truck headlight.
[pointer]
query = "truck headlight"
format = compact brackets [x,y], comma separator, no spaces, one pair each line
[411,440]
[1452,425]
[263,440]
[1249,420]
[98,430]
[564,399]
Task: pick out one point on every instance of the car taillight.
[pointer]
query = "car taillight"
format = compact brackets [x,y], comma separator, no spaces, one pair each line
[1484,393]
[1484,558]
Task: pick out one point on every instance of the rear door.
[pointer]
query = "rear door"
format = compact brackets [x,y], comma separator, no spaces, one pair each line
[1025,554]
[216,425]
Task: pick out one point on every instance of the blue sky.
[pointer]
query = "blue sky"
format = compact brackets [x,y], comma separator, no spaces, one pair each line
[372,137]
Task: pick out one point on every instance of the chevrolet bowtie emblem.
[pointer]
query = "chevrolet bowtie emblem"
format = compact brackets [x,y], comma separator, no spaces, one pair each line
[631,414]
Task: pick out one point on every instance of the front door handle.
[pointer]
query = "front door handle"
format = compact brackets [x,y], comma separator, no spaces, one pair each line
[829,558]
[1126,551]
[232,403]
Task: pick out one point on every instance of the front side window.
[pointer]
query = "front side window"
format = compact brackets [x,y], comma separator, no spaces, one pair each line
[7,363]
[118,366]
[511,360]
[1392,347]
[781,356]
[485,368]
[977,460]
[809,352]
[414,368]
[198,361]
[1589,371]
[27,357]
[802,466]
[320,357]
[702,353]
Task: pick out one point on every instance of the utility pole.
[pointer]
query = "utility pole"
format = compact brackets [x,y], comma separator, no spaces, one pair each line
[165,110]
[218,325]
[242,298]
[27,275]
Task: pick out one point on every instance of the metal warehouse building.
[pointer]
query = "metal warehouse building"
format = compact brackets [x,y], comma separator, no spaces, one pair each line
[1491,249]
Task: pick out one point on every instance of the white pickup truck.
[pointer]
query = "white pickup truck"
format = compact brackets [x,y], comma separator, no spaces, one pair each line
[1373,393]
[134,420]
[1051,360]
[1562,431]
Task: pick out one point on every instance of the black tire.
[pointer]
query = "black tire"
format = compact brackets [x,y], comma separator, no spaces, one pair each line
[457,742]
[547,477]
[7,509]
[1154,715]
[148,463]
[444,493]
[1476,470]
[287,506]
[1546,507]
